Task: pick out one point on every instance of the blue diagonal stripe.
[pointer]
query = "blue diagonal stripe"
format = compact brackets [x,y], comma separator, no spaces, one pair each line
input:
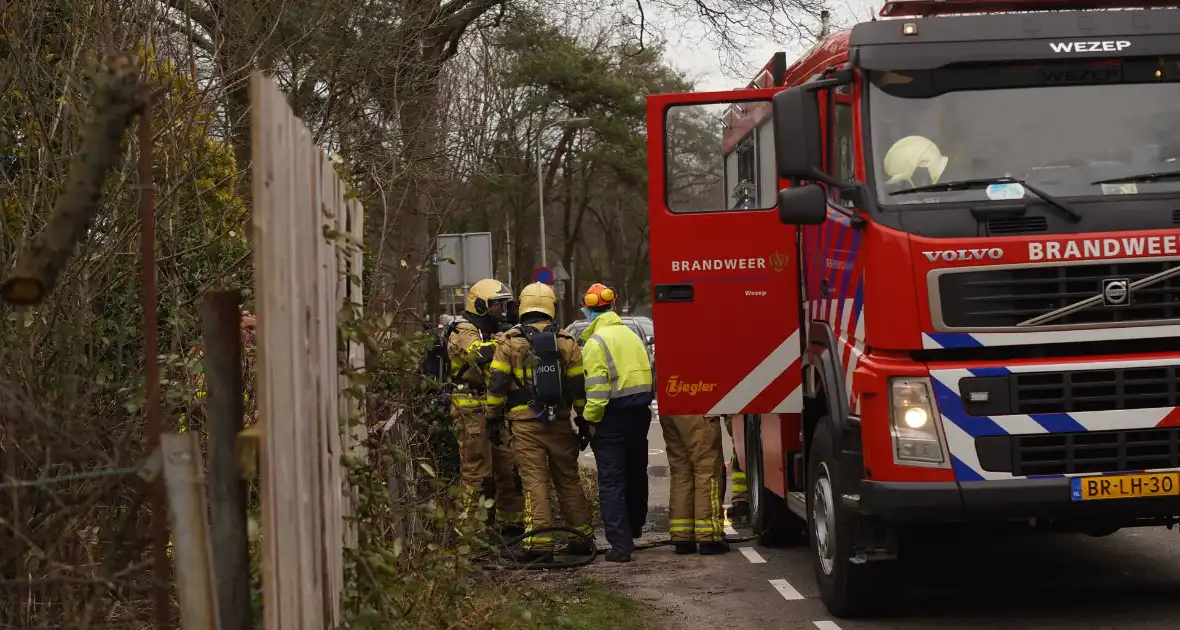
[955,340]
[1058,422]
[963,472]
[952,408]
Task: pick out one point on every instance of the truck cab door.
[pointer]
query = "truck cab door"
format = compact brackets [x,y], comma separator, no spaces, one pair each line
[724,270]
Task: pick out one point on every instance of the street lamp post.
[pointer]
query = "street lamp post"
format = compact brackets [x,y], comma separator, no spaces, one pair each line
[541,180]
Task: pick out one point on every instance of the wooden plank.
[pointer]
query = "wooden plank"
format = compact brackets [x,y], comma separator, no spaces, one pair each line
[299,290]
[191,548]
[222,363]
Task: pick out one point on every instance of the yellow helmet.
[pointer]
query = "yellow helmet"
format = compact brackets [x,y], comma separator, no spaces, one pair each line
[911,153]
[482,294]
[538,297]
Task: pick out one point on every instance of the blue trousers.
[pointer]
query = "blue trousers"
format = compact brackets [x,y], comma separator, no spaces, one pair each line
[620,453]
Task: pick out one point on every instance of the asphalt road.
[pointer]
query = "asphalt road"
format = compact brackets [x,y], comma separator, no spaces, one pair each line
[1130,580]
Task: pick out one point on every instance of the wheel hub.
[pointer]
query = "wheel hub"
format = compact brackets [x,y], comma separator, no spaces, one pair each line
[823,512]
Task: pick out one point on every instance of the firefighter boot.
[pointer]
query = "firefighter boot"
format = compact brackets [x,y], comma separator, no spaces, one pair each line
[739,514]
[579,546]
[685,548]
[714,548]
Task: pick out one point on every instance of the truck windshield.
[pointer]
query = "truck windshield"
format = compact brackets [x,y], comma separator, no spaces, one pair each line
[1059,127]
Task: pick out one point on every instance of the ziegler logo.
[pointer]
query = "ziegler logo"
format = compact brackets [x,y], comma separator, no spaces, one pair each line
[1109,45]
[955,255]
[676,387]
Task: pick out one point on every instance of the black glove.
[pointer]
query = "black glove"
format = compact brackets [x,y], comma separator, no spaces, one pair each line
[583,433]
[486,354]
[495,429]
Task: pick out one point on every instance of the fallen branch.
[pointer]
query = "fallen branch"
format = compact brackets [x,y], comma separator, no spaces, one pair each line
[120,93]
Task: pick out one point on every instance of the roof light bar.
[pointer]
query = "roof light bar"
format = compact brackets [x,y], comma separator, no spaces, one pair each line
[924,8]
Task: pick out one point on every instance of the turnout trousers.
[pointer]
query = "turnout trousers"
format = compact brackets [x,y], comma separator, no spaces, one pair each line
[486,469]
[548,451]
[620,452]
[739,492]
[696,469]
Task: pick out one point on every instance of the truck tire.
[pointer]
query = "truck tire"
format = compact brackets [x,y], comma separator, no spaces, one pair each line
[773,523]
[848,590]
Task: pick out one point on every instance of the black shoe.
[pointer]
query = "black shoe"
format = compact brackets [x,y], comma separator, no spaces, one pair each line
[614,556]
[535,556]
[714,548]
[684,548]
[739,514]
[581,547]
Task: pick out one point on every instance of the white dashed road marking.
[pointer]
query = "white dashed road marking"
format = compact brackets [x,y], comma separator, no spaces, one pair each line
[826,625]
[786,590]
[752,555]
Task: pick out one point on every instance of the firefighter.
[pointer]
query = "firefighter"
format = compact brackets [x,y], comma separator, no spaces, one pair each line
[696,466]
[486,467]
[536,382]
[739,500]
[618,408]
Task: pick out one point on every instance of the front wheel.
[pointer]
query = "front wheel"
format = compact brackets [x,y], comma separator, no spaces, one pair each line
[849,590]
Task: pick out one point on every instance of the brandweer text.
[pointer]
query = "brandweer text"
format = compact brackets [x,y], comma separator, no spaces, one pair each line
[1103,248]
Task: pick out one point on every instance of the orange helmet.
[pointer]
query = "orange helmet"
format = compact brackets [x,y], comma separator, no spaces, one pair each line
[598,295]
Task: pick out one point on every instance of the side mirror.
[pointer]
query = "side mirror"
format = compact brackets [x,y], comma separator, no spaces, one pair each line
[803,205]
[797,144]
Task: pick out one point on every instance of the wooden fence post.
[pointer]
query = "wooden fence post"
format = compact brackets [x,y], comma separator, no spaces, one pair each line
[222,364]
[183,478]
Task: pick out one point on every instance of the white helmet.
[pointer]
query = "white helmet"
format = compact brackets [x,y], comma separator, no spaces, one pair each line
[911,153]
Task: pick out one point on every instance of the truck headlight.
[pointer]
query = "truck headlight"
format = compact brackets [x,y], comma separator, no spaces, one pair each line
[917,437]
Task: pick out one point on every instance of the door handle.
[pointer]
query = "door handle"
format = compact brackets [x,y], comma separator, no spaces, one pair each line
[673,292]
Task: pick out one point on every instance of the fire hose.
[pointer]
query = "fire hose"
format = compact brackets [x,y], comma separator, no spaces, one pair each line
[501,561]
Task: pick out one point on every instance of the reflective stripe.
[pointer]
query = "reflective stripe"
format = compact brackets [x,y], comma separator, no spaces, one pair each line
[630,391]
[598,395]
[466,402]
[496,400]
[597,380]
[501,366]
[520,408]
[611,370]
[518,373]
[576,370]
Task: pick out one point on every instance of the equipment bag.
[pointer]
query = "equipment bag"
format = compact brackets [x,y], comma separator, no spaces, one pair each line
[545,361]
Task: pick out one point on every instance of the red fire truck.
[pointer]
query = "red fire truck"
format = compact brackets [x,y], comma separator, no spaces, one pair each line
[934,265]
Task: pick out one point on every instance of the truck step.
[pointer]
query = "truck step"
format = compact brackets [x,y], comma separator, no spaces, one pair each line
[797,503]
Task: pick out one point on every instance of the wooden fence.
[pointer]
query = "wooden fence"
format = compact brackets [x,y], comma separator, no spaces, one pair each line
[302,278]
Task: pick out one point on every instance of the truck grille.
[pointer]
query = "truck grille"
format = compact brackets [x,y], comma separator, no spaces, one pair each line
[1064,392]
[1095,390]
[1002,298]
[1087,452]
[1095,452]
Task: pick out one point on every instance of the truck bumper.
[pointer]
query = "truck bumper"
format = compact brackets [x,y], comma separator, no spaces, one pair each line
[952,502]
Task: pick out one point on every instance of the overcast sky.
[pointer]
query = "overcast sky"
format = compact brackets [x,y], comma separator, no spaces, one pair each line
[689,52]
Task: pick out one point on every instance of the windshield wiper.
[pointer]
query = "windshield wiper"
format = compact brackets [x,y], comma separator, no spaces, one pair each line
[1141,177]
[968,184]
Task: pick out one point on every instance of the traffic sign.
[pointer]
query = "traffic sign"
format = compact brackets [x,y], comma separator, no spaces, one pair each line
[543,275]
